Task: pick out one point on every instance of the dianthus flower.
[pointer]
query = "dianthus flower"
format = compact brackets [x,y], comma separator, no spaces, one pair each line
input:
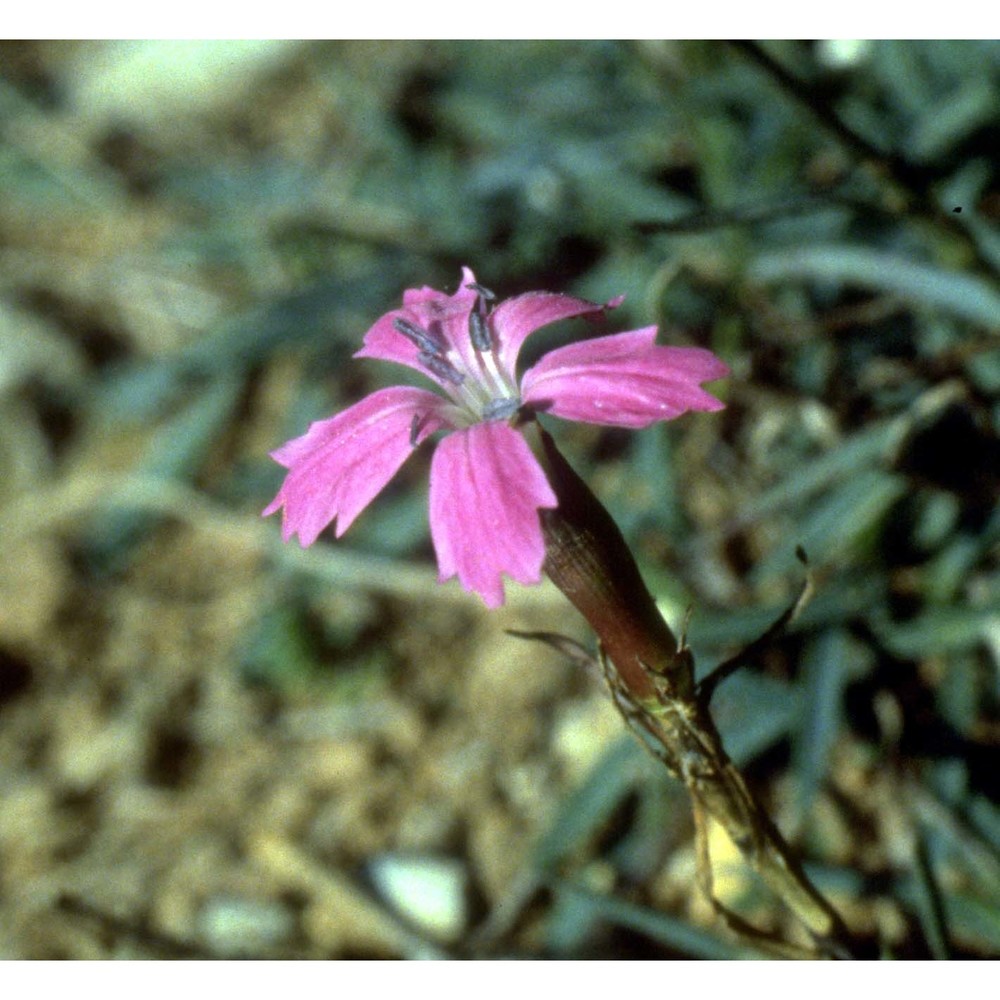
[486,485]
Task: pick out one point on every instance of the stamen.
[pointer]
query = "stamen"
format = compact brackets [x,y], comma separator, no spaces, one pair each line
[479,332]
[423,339]
[500,409]
[482,291]
[415,424]
[441,367]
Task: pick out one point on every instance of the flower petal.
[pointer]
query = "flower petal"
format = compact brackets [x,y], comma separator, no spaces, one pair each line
[444,317]
[339,465]
[486,489]
[624,380]
[514,320]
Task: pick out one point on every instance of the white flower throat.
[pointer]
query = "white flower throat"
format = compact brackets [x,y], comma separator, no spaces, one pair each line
[482,393]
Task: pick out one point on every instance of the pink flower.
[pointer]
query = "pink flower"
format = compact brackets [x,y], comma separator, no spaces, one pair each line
[486,485]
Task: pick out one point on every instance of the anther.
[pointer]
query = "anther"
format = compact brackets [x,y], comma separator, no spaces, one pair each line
[500,409]
[415,426]
[479,332]
[424,340]
[441,367]
[482,291]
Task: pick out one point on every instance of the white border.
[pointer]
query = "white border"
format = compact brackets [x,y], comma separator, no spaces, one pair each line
[400,19]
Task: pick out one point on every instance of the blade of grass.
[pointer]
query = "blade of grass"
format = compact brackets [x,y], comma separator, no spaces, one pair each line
[826,668]
[924,285]
[930,900]
[666,930]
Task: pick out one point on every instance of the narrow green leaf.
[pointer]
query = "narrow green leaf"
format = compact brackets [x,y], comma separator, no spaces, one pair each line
[826,668]
[753,712]
[957,294]
[839,521]
[864,450]
[930,901]
[973,917]
[668,931]
[590,805]
[937,630]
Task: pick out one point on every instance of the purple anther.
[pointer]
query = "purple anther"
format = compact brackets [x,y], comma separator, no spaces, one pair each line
[415,424]
[501,409]
[479,331]
[482,291]
[441,367]
[424,340]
